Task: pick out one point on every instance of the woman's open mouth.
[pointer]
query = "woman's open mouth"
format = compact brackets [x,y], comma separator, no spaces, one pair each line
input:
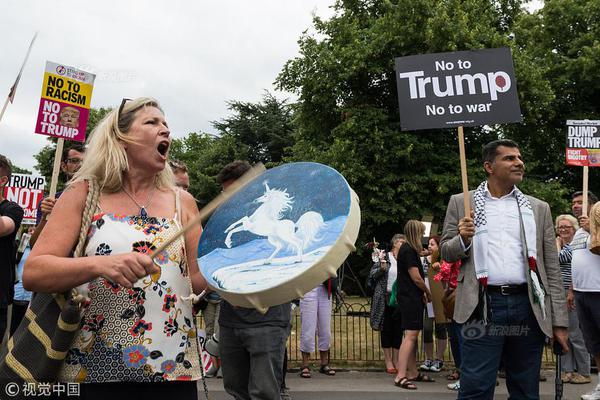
[163,148]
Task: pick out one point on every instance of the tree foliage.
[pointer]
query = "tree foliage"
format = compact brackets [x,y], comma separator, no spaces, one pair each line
[204,156]
[263,129]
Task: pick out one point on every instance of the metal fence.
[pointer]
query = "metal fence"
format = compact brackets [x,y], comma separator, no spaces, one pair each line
[354,343]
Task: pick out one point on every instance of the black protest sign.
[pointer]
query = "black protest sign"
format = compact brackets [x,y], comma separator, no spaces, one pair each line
[583,143]
[463,88]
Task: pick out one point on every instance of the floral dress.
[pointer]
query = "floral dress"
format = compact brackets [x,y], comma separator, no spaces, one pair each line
[142,334]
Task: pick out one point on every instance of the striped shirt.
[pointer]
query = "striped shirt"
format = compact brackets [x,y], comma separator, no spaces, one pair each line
[565,257]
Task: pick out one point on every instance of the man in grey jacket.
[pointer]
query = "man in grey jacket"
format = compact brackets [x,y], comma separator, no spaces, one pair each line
[509,295]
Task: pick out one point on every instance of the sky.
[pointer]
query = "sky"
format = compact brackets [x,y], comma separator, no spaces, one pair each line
[192,56]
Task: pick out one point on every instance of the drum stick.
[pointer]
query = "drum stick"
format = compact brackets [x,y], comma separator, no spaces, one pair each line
[207,210]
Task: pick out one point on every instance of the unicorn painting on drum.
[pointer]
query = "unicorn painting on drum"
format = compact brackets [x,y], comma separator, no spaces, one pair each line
[268,221]
[276,229]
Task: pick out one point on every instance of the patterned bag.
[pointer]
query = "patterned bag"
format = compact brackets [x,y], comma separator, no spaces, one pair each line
[36,351]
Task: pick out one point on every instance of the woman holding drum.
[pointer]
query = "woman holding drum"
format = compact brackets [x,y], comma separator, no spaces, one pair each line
[137,335]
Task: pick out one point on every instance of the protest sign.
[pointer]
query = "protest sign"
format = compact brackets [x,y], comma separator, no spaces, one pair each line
[27,191]
[65,103]
[583,143]
[463,88]
[583,149]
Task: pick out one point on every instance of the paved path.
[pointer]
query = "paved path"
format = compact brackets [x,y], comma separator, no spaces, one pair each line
[358,385]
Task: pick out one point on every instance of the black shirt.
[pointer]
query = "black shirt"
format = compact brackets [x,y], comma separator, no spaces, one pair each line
[408,258]
[8,252]
[240,317]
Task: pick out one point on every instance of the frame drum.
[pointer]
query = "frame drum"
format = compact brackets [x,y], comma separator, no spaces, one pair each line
[280,236]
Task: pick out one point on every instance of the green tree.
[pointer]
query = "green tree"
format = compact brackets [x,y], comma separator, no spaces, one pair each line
[347,111]
[263,129]
[204,156]
[19,170]
[563,38]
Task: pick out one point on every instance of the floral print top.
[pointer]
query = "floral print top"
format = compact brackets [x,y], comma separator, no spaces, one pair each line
[142,334]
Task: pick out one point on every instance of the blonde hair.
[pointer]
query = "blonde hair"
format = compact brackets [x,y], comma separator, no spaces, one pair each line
[569,218]
[106,159]
[414,231]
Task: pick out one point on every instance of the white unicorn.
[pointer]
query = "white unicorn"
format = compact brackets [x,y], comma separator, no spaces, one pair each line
[267,221]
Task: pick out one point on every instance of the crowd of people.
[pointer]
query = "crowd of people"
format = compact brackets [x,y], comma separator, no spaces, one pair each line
[496,284]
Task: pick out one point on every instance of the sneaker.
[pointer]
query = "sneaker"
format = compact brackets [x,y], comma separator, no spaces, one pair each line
[426,366]
[565,377]
[285,394]
[436,366]
[579,379]
[454,386]
[593,395]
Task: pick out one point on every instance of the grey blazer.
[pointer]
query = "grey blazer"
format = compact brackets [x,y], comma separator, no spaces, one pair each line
[547,261]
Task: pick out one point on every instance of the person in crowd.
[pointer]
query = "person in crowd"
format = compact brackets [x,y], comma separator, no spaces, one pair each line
[251,344]
[431,266]
[71,160]
[578,359]
[498,286]
[584,293]
[180,170]
[412,295]
[382,318]
[22,297]
[315,317]
[11,215]
[137,333]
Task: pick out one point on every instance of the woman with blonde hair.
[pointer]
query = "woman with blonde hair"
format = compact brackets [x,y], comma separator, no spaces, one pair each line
[137,329]
[412,296]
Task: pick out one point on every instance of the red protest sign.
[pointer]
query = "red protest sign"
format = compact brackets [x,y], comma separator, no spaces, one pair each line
[27,191]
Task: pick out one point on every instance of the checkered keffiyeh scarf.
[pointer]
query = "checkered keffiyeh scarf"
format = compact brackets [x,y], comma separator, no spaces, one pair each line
[480,240]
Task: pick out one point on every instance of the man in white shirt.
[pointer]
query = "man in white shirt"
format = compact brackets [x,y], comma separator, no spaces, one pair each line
[585,270]
[509,295]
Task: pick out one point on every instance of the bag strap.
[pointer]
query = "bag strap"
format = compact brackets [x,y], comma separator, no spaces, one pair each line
[91,202]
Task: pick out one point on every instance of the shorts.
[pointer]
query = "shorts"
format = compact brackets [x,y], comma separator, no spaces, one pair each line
[587,305]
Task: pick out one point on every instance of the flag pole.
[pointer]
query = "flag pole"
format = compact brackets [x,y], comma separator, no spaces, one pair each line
[13,89]
[4,107]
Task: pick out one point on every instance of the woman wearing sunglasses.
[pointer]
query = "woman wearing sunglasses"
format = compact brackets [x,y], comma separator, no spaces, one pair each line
[137,334]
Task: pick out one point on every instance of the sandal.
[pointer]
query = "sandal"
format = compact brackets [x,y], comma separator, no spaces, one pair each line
[423,378]
[391,371]
[453,376]
[305,372]
[325,369]
[404,383]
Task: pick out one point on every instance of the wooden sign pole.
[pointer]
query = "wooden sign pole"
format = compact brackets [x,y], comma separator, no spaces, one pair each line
[584,207]
[56,169]
[463,172]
